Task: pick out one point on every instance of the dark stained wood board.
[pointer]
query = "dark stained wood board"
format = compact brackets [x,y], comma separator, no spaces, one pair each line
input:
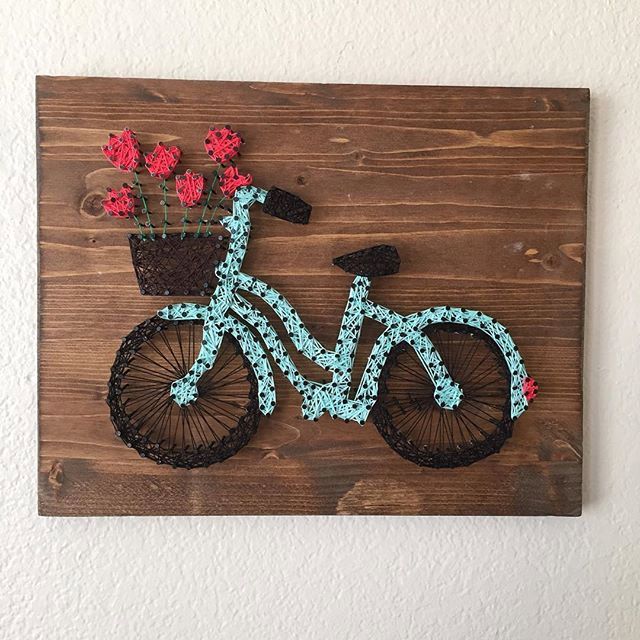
[483,191]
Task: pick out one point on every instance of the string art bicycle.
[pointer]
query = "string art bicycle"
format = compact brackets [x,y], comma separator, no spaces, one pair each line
[443,385]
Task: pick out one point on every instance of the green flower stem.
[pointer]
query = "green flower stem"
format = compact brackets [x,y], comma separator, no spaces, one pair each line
[185,220]
[214,181]
[207,230]
[165,222]
[145,208]
[140,227]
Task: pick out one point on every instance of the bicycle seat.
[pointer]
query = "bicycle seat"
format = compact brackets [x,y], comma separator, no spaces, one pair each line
[381,260]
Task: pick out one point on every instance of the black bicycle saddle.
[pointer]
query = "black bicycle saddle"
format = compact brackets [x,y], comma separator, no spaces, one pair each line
[381,260]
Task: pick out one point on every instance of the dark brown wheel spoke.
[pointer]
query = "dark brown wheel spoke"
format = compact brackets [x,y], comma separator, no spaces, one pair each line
[414,425]
[214,427]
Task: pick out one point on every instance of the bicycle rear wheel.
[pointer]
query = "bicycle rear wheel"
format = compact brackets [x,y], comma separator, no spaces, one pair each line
[214,427]
[416,427]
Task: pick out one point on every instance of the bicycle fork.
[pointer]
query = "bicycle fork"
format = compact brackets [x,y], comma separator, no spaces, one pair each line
[185,390]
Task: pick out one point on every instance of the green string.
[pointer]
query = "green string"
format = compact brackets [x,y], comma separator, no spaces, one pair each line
[185,220]
[137,221]
[165,222]
[207,230]
[206,204]
[145,208]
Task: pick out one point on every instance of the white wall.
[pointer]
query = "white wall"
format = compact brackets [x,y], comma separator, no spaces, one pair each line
[316,578]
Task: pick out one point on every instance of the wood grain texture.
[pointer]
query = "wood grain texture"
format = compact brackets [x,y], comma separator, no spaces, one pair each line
[483,191]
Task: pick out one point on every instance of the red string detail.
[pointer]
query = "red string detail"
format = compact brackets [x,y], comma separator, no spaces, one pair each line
[189,188]
[222,144]
[529,388]
[119,204]
[231,180]
[123,151]
[162,161]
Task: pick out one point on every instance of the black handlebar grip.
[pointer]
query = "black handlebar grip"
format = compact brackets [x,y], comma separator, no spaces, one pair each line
[286,206]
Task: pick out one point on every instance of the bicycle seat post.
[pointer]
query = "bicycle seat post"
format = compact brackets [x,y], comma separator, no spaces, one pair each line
[349,335]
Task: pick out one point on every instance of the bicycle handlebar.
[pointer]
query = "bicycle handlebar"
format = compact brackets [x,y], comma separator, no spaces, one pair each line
[286,206]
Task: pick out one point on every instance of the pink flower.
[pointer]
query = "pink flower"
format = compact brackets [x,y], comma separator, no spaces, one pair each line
[119,204]
[162,160]
[222,144]
[189,188]
[232,180]
[123,150]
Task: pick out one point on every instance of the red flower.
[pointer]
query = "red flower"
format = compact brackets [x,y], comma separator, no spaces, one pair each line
[231,180]
[162,161]
[189,188]
[529,388]
[119,204]
[123,151]
[222,144]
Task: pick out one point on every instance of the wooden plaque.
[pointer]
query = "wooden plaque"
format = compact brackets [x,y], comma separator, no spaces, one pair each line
[483,191]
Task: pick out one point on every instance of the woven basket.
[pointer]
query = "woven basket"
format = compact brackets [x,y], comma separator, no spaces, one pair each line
[173,266]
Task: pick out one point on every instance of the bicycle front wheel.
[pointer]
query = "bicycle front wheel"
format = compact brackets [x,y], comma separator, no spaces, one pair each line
[416,427]
[214,427]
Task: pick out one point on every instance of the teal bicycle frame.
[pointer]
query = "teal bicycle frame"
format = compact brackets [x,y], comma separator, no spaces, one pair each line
[229,312]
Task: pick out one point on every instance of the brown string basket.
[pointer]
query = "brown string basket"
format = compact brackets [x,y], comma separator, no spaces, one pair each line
[175,266]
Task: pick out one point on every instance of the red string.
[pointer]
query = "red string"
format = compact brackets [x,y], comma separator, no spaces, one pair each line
[123,151]
[189,188]
[162,160]
[222,144]
[529,388]
[119,204]
[231,180]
